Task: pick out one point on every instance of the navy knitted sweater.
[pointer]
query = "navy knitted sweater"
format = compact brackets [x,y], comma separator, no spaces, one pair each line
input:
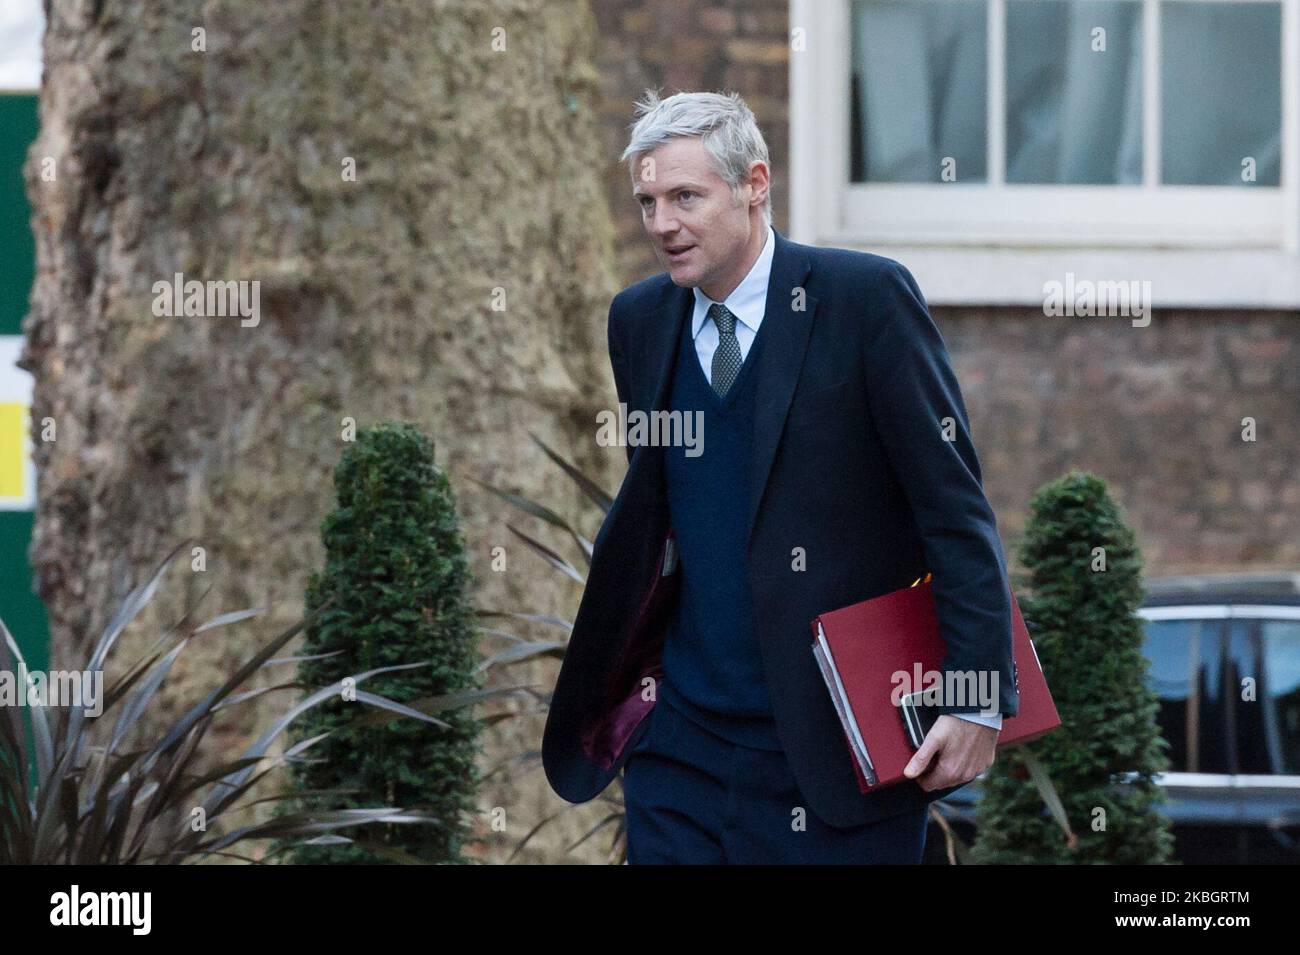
[713,672]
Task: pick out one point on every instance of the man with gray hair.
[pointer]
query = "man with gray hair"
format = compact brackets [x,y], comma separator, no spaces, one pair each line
[839,467]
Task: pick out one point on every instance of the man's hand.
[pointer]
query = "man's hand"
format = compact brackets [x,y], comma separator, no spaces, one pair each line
[953,752]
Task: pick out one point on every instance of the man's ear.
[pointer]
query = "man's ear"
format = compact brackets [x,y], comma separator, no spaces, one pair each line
[754,167]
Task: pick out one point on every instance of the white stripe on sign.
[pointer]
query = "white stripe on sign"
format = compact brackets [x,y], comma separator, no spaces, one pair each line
[21,24]
[15,384]
[17,472]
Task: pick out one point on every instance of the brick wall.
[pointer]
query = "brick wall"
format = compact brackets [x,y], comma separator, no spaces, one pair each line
[1155,411]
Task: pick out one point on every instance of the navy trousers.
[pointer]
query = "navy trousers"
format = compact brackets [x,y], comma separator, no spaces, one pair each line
[694,798]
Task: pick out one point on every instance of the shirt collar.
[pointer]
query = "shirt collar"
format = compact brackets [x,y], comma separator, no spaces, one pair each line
[748,300]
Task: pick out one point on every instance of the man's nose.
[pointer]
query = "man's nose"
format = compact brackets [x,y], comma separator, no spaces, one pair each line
[661,223]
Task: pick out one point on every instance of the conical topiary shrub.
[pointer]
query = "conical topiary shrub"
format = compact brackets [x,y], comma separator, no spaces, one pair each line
[1085,586]
[396,568]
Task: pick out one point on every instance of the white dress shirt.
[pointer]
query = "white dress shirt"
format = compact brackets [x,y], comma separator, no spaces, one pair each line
[748,302]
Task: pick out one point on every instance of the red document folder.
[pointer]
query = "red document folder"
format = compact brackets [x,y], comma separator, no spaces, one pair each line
[861,648]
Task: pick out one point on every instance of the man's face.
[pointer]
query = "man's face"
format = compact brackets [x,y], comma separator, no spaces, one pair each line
[698,229]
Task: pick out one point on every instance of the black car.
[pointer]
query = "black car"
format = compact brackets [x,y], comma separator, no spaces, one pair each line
[1225,664]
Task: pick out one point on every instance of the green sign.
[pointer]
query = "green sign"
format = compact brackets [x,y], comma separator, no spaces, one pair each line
[20,609]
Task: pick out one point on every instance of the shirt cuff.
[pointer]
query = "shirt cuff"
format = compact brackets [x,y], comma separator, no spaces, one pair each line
[995,720]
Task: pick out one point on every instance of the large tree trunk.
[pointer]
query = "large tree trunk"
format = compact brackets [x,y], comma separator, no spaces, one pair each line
[476,170]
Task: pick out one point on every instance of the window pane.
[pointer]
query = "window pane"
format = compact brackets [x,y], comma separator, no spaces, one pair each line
[1279,692]
[1213,709]
[918,90]
[1221,91]
[1186,676]
[1074,91]
[1169,677]
[1246,717]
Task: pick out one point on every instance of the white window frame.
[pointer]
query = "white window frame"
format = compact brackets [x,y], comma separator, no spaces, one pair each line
[996,243]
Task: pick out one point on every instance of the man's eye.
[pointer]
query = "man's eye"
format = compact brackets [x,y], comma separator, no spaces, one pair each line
[684,194]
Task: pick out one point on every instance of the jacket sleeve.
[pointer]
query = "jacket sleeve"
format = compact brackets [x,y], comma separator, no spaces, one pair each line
[918,411]
[618,362]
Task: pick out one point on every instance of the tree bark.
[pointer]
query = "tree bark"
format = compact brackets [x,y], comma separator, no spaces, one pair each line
[476,182]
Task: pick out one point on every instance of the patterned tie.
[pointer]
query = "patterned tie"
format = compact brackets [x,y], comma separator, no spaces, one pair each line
[726,359]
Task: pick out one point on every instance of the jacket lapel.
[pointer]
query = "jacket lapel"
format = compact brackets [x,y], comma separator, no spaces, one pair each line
[666,332]
[789,311]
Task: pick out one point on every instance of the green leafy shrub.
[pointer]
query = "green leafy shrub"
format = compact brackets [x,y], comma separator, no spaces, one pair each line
[397,577]
[1085,577]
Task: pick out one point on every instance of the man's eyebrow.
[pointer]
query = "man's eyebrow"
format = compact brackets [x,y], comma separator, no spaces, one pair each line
[686,185]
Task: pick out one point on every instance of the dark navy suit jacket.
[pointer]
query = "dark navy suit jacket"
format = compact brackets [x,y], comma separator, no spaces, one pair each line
[862,457]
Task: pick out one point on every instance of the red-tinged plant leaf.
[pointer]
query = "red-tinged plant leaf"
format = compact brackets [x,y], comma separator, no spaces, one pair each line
[528,617]
[588,486]
[550,556]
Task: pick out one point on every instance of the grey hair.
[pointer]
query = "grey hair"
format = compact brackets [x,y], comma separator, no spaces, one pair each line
[724,122]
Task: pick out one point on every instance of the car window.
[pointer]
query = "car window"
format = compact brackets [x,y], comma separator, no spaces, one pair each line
[1187,675]
[1246,679]
[1280,692]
